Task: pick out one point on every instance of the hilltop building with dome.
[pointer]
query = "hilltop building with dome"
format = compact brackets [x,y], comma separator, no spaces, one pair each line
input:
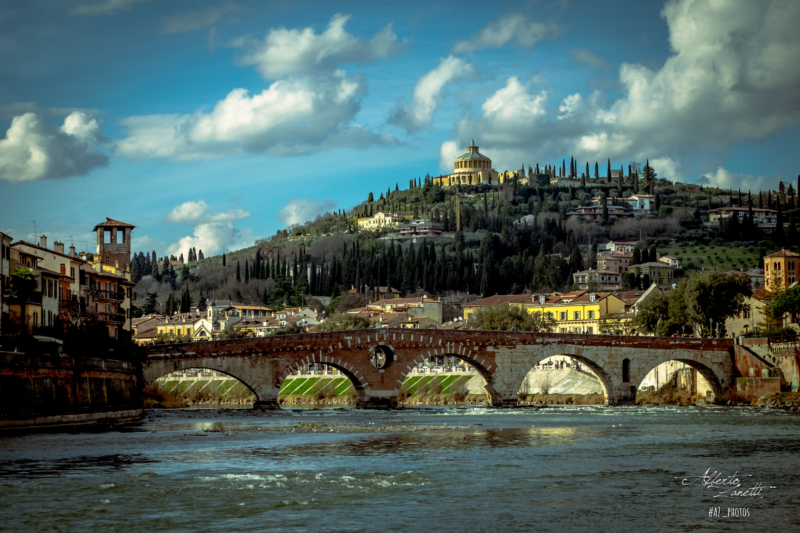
[474,168]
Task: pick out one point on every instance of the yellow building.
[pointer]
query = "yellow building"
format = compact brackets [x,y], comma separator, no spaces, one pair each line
[781,269]
[381,221]
[579,314]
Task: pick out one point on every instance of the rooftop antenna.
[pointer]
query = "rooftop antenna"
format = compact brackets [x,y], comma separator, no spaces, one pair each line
[35,233]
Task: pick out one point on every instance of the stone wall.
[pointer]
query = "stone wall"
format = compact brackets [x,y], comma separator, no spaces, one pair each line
[501,358]
[42,390]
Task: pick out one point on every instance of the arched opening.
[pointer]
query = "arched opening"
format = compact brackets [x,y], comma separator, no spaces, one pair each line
[680,381]
[564,379]
[198,387]
[315,384]
[446,379]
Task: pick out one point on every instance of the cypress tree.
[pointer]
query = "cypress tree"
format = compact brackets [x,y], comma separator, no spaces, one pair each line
[238,275]
[246,272]
[760,200]
[596,171]
[224,263]
[608,172]
[604,207]
[587,170]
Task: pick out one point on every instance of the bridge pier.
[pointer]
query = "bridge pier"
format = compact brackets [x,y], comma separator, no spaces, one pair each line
[378,399]
[266,405]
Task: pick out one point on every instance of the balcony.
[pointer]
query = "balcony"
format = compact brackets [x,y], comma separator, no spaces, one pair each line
[100,295]
[110,318]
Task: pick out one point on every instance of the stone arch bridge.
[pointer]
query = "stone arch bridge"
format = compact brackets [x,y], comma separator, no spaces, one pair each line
[503,359]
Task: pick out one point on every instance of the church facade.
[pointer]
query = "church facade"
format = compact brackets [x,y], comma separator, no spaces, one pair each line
[474,168]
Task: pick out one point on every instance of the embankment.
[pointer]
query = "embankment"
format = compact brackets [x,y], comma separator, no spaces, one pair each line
[52,390]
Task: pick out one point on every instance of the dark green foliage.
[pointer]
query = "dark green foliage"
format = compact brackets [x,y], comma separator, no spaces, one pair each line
[505,317]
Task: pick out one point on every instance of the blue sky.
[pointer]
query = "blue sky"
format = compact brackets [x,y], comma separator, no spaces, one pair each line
[211,124]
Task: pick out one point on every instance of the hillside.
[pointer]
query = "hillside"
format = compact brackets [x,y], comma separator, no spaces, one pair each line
[514,237]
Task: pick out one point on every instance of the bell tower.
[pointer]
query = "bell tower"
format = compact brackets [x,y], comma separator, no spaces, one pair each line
[114,243]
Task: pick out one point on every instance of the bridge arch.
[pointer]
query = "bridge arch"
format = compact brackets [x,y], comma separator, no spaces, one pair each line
[158,369]
[586,357]
[359,384]
[483,372]
[711,371]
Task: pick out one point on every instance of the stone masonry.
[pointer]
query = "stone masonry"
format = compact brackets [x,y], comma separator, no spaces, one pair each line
[502,358]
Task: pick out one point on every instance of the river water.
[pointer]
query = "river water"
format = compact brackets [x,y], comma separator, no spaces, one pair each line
[473,469]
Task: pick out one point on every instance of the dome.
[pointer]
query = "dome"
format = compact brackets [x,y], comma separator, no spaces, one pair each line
[473,154]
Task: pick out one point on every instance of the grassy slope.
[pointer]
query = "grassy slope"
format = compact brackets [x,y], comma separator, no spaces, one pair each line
[723,256]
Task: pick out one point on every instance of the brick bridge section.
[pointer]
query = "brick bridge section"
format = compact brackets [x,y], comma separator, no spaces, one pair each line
[503,358]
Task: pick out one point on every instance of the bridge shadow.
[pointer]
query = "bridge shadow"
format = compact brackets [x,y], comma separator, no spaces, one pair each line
[198,386]
[311,385]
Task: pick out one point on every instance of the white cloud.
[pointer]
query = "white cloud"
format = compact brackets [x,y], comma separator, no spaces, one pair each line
[34,150]
[105,7]
[286,51]
[302,210]
[730,78]
[16,109]
[418,113]
[447,154]
[146,244]
[725,179]
[508,28]
[212,232]
[194,20]
[290,117]
[587,58]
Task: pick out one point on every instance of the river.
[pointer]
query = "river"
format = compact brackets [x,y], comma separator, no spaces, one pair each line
[580,468]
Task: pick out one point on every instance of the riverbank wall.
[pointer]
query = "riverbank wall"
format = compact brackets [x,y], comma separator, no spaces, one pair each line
[54,390]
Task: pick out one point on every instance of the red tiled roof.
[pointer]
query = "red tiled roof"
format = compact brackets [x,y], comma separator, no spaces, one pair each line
[110,222]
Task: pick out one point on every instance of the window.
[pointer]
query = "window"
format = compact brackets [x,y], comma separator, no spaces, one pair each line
[106,259]
[590,331]
[791,266]
[576,315]
[562,330]
[591,314]
[563,315]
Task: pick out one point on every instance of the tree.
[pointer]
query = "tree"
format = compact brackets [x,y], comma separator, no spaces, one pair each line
[713,297]
[201,303]
[223,260]
[200,255]
[608,171]
[604,208]
[238,275]
[23,286]
[596,171]
[787,302]
[511,317]
[637,257]
[651,312]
